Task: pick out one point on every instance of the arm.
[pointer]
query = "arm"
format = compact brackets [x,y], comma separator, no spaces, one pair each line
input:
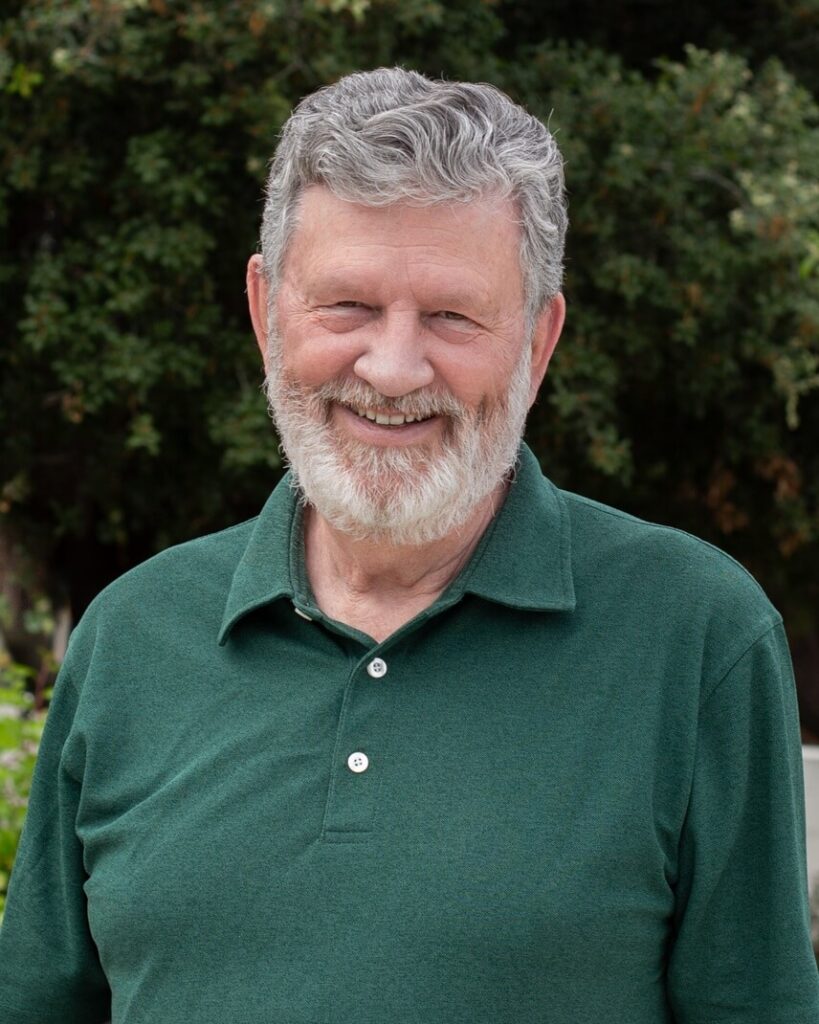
[741,952]
[49,968]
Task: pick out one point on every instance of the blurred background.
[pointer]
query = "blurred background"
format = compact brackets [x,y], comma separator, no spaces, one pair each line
[134,139]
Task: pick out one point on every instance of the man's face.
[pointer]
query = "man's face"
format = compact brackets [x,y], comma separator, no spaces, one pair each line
[399,373]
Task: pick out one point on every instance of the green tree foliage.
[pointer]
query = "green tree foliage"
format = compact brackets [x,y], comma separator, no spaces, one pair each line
[134,138]
[21,724]
[640,31]
[687,387]
[20,731]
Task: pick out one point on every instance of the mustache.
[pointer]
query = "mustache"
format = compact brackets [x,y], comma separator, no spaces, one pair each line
[422,403]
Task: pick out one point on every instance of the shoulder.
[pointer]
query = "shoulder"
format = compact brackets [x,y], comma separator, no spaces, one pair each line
[204,563]
[601,528]
[667,580]
[189,580]
[665,554]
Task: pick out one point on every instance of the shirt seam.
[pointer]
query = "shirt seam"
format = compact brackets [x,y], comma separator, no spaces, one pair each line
[746,650]
[700,714]
[68,675]
[645,524]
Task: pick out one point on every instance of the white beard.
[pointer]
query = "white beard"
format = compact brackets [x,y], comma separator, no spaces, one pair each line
[403,495]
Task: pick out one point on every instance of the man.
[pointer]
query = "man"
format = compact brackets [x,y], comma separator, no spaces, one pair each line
[429,740]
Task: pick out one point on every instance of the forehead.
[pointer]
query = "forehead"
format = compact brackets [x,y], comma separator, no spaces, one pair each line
[471,246]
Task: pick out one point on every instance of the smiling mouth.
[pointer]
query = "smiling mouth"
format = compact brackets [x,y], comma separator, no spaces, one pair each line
[386,419]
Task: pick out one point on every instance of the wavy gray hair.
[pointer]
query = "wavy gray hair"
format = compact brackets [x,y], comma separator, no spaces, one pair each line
[385,136]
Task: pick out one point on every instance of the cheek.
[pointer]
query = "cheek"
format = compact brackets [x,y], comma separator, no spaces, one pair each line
[310,355]
[315,361]
[477,377]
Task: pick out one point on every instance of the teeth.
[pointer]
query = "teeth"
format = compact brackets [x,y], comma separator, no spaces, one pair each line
[385,420]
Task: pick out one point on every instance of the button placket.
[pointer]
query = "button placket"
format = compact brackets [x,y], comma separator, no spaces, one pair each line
[358,764]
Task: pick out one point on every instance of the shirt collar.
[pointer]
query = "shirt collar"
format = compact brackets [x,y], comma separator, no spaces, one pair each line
[263,574]
[525,557]
[523,560]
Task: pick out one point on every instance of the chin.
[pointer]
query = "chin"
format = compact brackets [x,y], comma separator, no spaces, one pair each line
[399,508]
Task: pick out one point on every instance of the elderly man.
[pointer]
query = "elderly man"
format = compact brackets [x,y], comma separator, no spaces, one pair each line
[429,740]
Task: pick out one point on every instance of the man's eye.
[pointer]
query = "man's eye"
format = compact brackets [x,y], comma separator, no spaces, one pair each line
[348,304]
[453,319]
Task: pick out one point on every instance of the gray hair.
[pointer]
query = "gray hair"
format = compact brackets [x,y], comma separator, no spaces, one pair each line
[386,136]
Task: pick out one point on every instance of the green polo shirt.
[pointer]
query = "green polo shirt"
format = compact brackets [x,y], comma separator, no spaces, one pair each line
[569,792]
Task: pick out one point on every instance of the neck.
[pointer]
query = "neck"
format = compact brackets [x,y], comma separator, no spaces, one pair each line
[376,586]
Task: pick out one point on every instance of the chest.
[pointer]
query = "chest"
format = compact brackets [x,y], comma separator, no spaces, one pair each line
[479,788]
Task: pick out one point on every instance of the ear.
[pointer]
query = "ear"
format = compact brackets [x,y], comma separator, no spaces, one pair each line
[257,300]
[544,341]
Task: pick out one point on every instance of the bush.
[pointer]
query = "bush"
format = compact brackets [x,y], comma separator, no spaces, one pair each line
[20,729]
[686,388]
[134,137]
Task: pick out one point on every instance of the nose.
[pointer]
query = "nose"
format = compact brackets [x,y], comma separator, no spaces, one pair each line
[394,361]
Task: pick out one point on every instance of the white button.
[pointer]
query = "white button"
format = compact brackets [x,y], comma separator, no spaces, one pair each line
[304,615]
[358,762]
[377,668]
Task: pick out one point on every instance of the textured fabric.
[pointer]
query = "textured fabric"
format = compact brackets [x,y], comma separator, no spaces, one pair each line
[583,802]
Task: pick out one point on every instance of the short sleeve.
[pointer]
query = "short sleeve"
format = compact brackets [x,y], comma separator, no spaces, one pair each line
[742,952]
[50,972]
